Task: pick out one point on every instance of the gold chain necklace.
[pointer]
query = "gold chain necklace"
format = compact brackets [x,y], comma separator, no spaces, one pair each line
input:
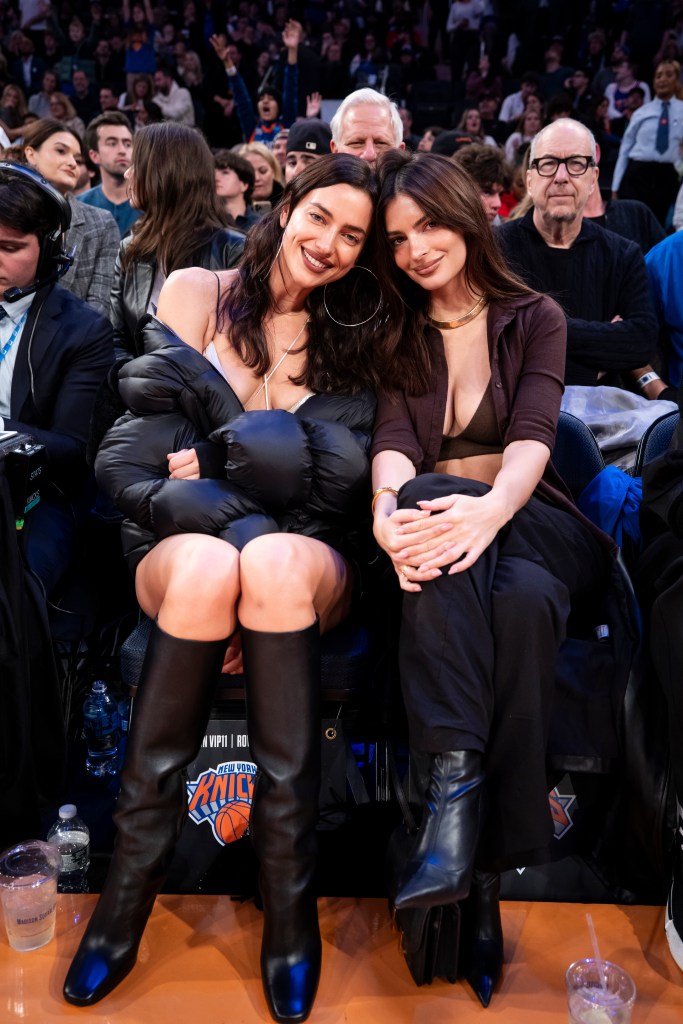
[267,376]
[460,321]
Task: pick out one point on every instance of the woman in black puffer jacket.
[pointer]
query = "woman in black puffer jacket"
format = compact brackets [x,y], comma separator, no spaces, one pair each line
[240,466]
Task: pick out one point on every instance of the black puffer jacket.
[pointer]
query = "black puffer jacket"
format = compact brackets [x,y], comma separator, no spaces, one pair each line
[261,472]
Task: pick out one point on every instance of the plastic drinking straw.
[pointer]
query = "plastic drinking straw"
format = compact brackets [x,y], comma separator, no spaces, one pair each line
[596,952]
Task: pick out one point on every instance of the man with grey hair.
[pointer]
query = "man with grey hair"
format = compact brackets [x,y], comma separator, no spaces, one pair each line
[598,278]
[366,124]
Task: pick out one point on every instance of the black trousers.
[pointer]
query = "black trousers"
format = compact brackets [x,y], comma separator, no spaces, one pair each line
[653,183]
[478,651]
[659,584]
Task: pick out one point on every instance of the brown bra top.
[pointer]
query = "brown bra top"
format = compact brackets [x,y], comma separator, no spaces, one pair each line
[481,436]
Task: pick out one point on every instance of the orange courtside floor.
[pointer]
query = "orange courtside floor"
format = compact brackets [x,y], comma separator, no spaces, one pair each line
[199,965]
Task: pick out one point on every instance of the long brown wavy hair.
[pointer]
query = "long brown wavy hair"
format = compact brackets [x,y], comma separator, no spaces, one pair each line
[174,185]
[339,358]
[449,197]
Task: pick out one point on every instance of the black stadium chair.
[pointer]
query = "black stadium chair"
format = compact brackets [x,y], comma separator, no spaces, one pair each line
[655,440]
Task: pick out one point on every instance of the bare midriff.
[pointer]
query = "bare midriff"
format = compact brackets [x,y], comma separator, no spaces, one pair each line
[477,467]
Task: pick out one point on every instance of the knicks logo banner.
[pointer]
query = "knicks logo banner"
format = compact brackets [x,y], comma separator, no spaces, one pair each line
[222,796]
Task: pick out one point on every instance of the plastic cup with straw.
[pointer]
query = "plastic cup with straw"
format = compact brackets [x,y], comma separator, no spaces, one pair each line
[599,992]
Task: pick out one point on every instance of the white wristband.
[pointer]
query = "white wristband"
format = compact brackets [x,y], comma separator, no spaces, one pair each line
[646,379]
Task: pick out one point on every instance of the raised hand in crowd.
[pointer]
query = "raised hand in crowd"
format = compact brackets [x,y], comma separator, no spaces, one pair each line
[313,104]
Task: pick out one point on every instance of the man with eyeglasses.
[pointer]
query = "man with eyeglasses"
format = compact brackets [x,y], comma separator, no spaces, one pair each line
[598,278]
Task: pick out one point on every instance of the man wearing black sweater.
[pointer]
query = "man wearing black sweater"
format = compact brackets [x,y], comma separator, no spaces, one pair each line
[598,277]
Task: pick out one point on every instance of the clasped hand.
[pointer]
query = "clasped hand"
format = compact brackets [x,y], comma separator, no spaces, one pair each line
[183,465]
[449,531]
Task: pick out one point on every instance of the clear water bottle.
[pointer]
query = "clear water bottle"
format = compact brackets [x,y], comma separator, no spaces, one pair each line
[70,834]
[102,730]
[124,714]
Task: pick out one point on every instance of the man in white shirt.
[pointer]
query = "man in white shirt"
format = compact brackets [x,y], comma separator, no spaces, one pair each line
[514,104]
[651,147]
[174,102]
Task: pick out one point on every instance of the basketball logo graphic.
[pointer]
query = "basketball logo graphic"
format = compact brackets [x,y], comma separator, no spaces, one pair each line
[232,821]
[222,796]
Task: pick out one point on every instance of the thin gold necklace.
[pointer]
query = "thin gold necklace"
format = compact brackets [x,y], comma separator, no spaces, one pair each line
[267,376]
[460,321]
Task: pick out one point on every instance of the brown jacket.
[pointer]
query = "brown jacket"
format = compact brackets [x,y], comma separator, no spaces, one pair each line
[527,341]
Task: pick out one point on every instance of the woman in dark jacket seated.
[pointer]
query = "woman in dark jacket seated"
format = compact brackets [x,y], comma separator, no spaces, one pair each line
[232,356]
[182,224]
[487,546]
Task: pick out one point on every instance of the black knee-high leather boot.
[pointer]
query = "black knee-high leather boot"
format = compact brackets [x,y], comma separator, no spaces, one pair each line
[283,714]
[481,937]
[169,720]
[441,864]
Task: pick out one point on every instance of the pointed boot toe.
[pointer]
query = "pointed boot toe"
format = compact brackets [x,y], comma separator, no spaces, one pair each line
[482,945]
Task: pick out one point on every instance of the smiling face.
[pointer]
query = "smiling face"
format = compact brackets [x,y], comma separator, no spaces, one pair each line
[431,255]
[665,81]
[56,160]
[263,176]
[562,197]
[324,235]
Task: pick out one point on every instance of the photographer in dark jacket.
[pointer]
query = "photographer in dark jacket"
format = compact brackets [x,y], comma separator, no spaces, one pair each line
[182,224]
[242,466]
[55,351]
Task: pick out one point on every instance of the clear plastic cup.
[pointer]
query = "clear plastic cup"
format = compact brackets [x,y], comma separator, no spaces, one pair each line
[28,888]
[591,1002]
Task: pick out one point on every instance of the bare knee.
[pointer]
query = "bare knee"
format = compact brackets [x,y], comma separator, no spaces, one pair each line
[272,568]
[202,592]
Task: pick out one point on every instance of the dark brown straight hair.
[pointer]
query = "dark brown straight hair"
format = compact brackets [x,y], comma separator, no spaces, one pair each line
[448,196]
[339,358]
[175,187]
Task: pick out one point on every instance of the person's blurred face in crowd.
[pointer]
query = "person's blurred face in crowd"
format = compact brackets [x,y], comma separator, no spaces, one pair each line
[406,120]
[426,142]
[473,121]
[263,176]
[103,51]
[19,255]
[531,123]
[76,31]
[488,105]
[114,151]
[518,184]
[80,82]
[366,131]
[580,80]
[108,100]
[228,184]
[280,148]
[55,159]
[267,107]
[527,89]
[162,82]
[49,82]
[491,200]
[533,102]
[57,108]
[666,78]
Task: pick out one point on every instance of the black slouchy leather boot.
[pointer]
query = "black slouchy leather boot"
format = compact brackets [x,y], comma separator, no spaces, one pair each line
[283,716]
[442,861]
[171,711]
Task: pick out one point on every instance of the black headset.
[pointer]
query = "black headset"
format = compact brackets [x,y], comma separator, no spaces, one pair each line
[53,260]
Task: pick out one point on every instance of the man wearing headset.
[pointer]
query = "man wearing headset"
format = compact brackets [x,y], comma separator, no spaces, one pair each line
[55,351]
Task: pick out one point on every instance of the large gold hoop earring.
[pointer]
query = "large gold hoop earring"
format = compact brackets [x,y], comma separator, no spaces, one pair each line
[360,322]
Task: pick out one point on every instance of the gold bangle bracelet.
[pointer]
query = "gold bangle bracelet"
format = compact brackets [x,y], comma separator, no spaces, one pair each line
[381,490]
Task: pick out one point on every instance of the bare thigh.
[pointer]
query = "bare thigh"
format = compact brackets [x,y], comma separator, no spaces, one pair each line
[286,580]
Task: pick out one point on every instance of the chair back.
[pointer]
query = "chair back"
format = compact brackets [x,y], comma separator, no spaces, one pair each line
[655,440]
[576,455]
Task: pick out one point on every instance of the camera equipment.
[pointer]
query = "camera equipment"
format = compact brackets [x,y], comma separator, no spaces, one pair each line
[25,464]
